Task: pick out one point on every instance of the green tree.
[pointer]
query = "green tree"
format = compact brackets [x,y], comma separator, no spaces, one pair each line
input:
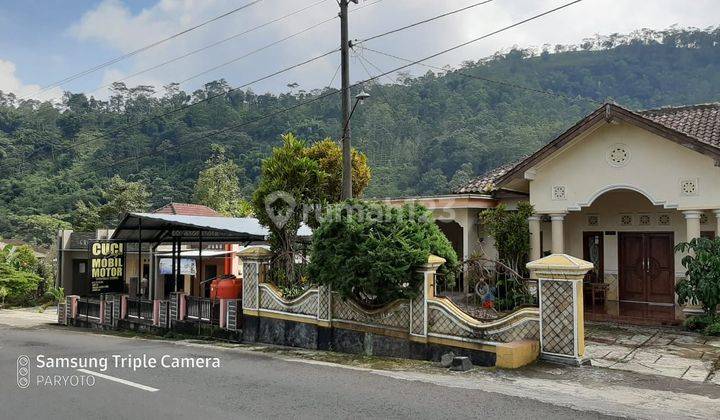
[40,229]
[462,176]
[86,218]
[218,185]
[289,182]
[123,197]
[510,230]
[329,155]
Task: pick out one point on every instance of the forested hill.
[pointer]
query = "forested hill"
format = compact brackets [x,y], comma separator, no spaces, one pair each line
[422,135]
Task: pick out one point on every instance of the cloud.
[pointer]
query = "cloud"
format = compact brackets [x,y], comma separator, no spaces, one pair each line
[10,82]
[116,27]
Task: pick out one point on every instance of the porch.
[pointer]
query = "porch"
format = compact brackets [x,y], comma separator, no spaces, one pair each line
[630,239]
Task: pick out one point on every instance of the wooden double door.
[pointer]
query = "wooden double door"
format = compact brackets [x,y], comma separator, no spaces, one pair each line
[646,263]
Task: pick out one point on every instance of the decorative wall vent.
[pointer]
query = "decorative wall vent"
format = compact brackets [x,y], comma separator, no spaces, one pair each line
[626,219]
[618,155]
[644,220]
[689,187]
[704,219]
[663,219]
[558,192]
[593,220]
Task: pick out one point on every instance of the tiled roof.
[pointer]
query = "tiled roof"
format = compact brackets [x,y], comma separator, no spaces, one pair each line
[485,183]
[701,122]
[185,209]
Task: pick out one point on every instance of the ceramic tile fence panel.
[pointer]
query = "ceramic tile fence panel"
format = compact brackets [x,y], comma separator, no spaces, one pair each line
[234,315]
[107,318]
[62,313]
[164,315]
[395,315]
[271,299]
[447,320]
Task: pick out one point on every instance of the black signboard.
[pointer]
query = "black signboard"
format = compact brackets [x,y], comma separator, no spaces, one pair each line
[107,265]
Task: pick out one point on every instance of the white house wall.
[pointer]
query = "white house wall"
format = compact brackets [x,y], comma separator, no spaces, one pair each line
[655,166]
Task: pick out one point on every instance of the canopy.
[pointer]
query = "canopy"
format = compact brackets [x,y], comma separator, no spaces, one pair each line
[155,227]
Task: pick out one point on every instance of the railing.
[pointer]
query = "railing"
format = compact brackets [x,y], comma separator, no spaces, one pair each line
[203,309]
[482,287]
[88,308]
[139,309]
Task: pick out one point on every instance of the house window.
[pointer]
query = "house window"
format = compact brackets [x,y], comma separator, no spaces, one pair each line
[644,220]
[664,219]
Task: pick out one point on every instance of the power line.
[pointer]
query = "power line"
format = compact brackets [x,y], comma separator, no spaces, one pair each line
[485,79]
[412,25]
[212,45]
[255,51]
[207,99]
[328,94]
[143,121]
[139,50]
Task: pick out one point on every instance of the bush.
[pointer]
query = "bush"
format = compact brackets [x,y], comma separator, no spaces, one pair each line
[713,329]
[705,324]
[701,284]
[21,285]
[371,252]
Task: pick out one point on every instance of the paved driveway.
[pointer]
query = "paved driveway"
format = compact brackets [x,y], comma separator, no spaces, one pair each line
[28,317]
[655,351]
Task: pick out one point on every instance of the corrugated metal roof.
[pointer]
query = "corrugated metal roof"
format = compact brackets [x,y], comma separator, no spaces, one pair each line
[213,228]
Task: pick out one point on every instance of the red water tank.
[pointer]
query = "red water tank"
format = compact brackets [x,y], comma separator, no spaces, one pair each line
[226,288]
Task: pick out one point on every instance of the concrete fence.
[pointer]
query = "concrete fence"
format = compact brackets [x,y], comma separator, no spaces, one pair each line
[424,327]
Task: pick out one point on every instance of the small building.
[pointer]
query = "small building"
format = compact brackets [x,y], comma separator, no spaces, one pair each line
[218,258]
[619,188]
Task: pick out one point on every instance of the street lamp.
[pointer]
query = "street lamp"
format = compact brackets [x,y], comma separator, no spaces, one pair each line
[347,154]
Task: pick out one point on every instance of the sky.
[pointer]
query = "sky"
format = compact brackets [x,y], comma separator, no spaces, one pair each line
[44,41]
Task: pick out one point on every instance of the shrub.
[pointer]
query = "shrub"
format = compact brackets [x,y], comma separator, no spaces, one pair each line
[21,285]
[371,252]
[699,322]
[701,284]
[713,329]
[511,233]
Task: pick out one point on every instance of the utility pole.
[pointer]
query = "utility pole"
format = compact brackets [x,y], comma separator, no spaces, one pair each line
[345,64]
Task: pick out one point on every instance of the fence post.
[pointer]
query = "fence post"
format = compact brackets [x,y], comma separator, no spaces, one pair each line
[560,293]
[102,310]
[72,305]
[223,313]
[123,306]
[156,312]
[182,306]
[418,306]
[252,260]
[324,305]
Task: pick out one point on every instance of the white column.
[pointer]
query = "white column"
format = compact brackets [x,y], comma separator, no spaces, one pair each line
[558,236]
[692,221]
[717,227]
[535,245]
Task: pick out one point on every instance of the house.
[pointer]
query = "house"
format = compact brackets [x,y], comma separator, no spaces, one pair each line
[619,188]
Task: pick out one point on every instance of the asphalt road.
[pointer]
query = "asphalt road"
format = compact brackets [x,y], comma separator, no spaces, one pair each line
[247,385]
